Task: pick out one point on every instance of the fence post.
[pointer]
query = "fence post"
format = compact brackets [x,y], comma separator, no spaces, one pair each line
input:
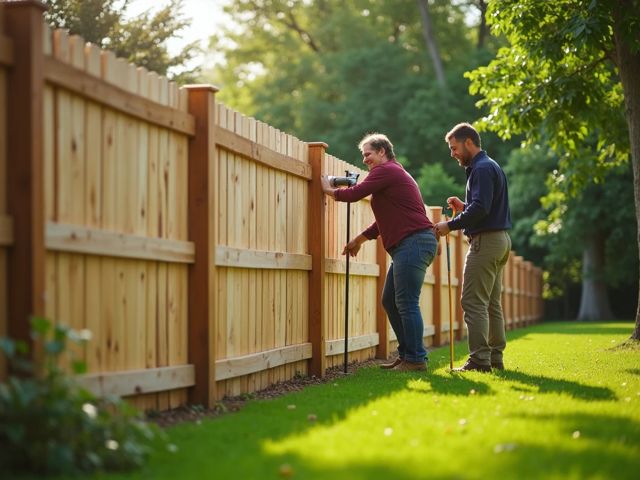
[382,350]
[317,250]
[203,199]
[436,215]
[25,190]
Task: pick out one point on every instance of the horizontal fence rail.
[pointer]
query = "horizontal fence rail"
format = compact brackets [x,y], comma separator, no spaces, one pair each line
[194,242]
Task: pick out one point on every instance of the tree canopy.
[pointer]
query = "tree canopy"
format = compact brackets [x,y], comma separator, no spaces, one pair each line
[334,71]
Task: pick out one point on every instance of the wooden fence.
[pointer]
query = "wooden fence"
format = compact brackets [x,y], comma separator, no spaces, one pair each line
[193,242]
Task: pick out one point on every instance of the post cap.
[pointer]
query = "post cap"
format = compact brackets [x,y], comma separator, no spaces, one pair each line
[202,86]
[318,144]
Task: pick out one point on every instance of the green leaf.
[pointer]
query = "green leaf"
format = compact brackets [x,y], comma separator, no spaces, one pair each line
[54,347]
[7,346]
[40,326]
[79,367]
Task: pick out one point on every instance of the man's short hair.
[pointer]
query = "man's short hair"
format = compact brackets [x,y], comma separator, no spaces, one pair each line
[378,141]
[462,131]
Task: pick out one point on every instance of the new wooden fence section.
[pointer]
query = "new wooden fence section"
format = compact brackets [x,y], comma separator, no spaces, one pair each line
[195,243]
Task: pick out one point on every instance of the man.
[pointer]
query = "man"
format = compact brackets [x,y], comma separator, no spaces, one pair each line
[485,218]
[407,234]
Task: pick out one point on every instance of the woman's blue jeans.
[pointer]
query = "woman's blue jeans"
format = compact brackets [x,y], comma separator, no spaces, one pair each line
[401,293]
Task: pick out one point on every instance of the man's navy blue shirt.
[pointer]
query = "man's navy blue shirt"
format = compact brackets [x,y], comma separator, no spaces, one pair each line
[486,206]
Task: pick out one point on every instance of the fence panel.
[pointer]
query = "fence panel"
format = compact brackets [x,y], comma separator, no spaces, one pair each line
[113,178]
[363,274]
[507,291]
[262,255]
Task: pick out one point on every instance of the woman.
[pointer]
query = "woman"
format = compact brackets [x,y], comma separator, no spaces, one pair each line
[407,235]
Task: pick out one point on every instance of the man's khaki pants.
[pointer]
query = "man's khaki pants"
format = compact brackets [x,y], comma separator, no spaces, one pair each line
[481,293]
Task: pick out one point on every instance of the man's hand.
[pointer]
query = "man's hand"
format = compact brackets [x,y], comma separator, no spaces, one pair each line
[455,203]
[441,229]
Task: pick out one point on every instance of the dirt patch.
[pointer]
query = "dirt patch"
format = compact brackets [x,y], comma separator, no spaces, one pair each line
[195,413]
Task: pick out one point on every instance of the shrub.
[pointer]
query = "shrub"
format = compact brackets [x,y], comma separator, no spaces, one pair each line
[50,425]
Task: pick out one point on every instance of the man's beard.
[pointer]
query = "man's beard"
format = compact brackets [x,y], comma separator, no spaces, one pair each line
[465,157]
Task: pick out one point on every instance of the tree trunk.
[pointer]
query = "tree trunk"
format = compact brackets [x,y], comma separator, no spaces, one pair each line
[432,46]
[628,63]
[482,28]
[566,302]
[594,301]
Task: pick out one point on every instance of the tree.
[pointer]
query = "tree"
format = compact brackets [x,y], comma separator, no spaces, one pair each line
[430,41]
[141,40]
[570,71]
[335,72]
[482,28]
[579,239]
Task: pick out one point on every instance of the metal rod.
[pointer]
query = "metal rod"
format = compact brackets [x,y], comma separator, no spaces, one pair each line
[450,306]
[346,294]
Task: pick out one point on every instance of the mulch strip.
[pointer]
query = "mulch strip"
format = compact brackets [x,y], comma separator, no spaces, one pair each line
[196,413]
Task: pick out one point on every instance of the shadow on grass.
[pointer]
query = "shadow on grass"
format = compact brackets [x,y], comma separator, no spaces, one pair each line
[548,384]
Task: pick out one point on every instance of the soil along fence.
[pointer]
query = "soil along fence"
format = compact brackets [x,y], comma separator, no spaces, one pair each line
[194,242]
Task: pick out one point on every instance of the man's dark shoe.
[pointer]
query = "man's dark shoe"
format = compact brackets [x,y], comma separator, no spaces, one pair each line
[387,366]
[497,365]
[472,366]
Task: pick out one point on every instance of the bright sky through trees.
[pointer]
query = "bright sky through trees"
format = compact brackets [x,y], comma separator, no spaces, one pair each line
[206,17]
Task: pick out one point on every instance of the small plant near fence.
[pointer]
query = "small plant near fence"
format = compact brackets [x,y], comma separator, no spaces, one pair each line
[50,425]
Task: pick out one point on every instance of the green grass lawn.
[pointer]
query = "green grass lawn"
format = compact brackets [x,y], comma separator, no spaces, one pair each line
[568,406]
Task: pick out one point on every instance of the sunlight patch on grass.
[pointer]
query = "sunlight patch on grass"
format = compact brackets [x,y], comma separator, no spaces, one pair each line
[546,403]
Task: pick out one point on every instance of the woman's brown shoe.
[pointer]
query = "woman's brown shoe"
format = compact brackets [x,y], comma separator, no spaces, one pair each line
[405,366]
[387,366]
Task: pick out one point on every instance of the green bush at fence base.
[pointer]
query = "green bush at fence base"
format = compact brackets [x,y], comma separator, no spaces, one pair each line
[49,425]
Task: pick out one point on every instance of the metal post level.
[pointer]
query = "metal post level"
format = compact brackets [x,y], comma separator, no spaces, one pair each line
[450,301]
[346,294]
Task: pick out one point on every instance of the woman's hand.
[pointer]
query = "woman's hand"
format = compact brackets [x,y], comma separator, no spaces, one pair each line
[326,186]
[353,247]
